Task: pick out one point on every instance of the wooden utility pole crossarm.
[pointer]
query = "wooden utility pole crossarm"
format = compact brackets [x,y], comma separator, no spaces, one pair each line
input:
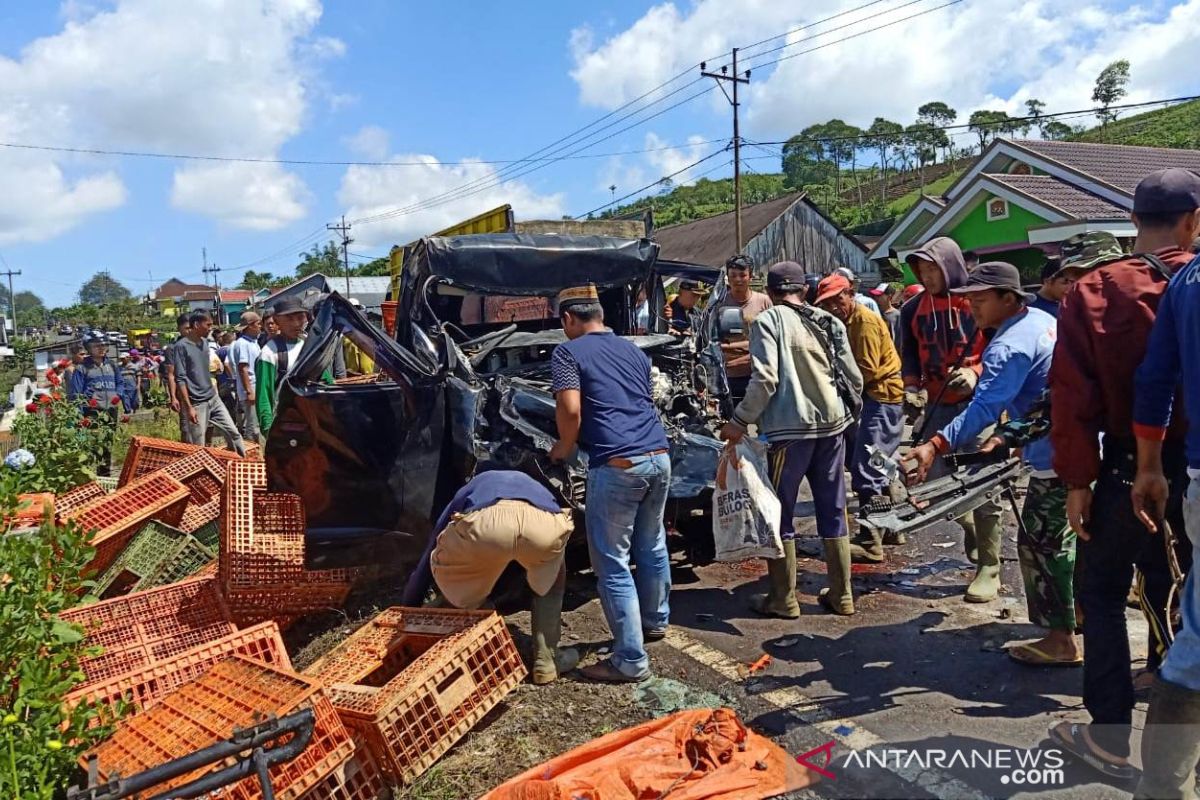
[735,79]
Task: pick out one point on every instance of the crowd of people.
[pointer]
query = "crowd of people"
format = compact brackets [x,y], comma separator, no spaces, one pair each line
[1079,378]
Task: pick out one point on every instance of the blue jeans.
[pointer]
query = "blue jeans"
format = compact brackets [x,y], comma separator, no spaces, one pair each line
[880,425]
[625,519]
[1182,663]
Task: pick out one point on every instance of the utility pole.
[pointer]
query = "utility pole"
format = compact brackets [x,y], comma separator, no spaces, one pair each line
[213,270]
[344,230]
[735,79]
[12,298]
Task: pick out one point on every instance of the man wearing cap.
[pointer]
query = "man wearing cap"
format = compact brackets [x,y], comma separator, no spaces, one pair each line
[1016,367]
[1171,740]
[859,297]
[601,384]
[501,517]
[277,358]
[803,388]
[243,354]
[881,423]
[1104,323]
[736,349]
[98,383]
[684,305]
[940,358]
[882,294]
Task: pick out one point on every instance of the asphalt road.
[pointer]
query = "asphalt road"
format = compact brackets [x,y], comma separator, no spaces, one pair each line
[916,668]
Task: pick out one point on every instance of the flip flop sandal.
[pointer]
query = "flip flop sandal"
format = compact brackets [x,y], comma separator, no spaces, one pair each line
[1073,742]
[1033,656]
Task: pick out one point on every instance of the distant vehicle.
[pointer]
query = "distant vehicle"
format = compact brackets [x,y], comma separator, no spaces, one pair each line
[113,335]
[65,330]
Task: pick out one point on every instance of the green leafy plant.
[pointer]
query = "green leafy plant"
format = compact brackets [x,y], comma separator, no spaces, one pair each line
[41,737]
[66,442]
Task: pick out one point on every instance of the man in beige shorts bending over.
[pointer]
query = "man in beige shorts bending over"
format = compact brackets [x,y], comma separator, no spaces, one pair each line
[499,517]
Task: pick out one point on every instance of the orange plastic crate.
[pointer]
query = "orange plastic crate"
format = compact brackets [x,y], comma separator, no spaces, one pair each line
[147,454]
[143,629]
[356,779]
[204,476]
[285,604]
[145,687]
[414,681]
[70,502]
[236,693]
[114,518]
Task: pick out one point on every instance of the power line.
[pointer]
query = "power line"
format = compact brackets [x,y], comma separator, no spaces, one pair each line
[319,162]
[713,154]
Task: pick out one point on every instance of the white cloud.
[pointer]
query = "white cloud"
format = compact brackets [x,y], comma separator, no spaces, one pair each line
[992,54]
[370,141]
[222,77]
[261,197]
[48,203]
[676,160]
[367,191]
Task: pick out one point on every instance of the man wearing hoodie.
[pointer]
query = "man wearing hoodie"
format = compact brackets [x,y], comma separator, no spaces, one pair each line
[803,382]
[940,363]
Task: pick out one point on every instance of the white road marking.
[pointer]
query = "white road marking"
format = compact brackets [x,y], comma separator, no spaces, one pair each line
[810,712]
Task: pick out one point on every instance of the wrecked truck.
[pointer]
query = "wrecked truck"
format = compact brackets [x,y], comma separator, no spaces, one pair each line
[465,385]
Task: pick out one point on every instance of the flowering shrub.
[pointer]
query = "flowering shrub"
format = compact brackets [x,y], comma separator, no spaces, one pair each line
[40,737]
[66,444]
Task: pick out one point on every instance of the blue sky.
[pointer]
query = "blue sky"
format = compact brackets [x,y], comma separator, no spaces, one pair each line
[459,83]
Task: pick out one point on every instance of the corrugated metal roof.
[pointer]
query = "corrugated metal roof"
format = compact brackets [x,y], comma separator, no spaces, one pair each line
[709,241]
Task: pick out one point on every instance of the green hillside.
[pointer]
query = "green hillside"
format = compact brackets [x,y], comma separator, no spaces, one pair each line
[1177,126]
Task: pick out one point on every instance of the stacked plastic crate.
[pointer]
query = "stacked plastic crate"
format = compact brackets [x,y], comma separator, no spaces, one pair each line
[156,555]
[114,518]
[261,561]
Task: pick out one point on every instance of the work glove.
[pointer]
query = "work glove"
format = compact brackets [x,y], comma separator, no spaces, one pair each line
[915,401]
[962,381]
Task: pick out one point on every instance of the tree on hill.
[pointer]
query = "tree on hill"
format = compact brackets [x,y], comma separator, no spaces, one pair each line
[1056,131]
[923,140]
[938,115]
[804,158]
[1110,87]
[1034,109]
[31,310]
[101,289]
[885,137]
[988,124]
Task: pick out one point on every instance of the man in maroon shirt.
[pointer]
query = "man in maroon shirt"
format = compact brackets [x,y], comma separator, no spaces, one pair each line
[1104,324]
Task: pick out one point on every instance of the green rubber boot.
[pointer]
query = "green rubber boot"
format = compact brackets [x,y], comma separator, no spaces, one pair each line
[780,599]
[545,622]
[892,538]
[967,521]
[837,598]
[867,546]
[986,585]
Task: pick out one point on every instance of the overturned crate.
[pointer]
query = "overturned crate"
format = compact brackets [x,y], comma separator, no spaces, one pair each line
[203,476]
[156,555]
[142,629]
[236,693]
[147,454]
[261,562]
[68,503]
[113,519]
[412,682]
[143,688]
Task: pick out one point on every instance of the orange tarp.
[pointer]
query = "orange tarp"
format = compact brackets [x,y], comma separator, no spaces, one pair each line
[703,754]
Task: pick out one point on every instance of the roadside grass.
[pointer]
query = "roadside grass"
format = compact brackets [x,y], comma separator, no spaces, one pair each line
[160,423]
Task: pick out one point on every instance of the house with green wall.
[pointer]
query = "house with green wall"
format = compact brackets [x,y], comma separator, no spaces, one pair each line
[1022,198]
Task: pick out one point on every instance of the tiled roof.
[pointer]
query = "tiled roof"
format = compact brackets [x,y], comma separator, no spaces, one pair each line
[177,288]
[235,295]
[1061,195]
[204,293]
[1120,166]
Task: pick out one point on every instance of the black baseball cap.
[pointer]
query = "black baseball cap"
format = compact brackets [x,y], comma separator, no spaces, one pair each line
[995,275]
[1167,191]
[786,276]
[694,286]
[288,305]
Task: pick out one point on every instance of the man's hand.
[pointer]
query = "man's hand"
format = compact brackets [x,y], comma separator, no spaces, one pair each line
[251,398]
[1079,511]
[192,416]
[560,452]
[915,401]
[1149,496]
[732,432]
[175,404]
[922,457]
[991,444]
[962,380]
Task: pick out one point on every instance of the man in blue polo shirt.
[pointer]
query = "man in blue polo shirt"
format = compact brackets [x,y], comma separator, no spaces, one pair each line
[602,393]
[1171,740]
